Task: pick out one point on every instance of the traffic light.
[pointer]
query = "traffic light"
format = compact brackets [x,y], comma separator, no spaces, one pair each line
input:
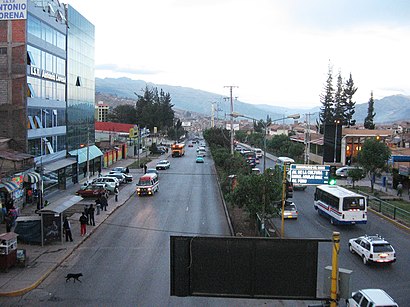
[332,175]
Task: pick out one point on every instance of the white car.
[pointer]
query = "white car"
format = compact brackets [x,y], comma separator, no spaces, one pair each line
[344,171]
[121,177]
[111,183]
[371,297]
[163,164]
[372,249]
[125,177]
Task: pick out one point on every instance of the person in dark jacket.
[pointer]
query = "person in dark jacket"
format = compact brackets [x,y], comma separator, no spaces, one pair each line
[91,211]
[116,192]
[67,230]
[104,202]
[83,223]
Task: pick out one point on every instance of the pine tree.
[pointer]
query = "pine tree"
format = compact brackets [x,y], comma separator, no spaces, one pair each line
[349,91]
[340,100]
[368,121]
[326,115]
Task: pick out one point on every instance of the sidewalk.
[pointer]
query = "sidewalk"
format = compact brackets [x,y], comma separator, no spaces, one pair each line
[42,260]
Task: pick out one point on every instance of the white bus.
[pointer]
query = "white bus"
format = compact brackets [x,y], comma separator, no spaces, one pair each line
[281,161]
[340,205]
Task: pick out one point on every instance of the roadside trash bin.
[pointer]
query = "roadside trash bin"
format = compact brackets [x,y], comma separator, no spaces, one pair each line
[384,178]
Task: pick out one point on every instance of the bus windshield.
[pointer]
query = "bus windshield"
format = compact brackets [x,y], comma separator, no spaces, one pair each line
[353,203]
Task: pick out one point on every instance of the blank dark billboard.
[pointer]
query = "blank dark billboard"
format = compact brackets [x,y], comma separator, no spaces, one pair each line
[244,267]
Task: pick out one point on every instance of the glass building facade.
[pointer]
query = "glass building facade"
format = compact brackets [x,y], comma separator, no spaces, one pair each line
[80,81]
[47,90]
[46,81]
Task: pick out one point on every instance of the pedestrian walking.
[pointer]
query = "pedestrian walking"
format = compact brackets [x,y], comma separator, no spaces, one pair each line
[399,189]
[99,171]
[127,170]
[85,171]
[91,211]
[83,223]
[116,192]
[145,168]
[67,230]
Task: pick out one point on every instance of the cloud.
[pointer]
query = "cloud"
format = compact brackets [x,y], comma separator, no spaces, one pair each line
[126,70]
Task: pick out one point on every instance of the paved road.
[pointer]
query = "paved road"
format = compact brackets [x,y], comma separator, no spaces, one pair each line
[126,261]
[392,278]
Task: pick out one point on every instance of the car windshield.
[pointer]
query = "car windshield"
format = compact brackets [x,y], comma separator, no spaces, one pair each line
[350,203]
[144,182]
[382,248]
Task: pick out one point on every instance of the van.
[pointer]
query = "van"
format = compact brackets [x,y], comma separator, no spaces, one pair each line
[148,184]
[371,297]
[258,152]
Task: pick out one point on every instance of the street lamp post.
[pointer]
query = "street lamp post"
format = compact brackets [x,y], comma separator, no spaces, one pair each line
[293,116]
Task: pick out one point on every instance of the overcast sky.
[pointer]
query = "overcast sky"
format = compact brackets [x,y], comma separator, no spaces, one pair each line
[276,52]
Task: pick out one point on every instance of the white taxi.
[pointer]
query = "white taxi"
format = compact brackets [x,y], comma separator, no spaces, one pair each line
[372,249]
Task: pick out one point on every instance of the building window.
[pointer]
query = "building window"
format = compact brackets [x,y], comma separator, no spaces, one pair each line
[78,82]
[3,50]
[30,91]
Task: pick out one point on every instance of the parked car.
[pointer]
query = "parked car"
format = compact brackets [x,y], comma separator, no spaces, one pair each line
[371,297]
[291,211]
[344,171]
[120,169]
[127,177]
[119,176]
[163,164]
[372,249]
[199,159]
[93,190]
[111,182]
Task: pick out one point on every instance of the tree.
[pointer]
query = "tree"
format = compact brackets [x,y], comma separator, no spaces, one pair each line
[373,158]
[124,113]
[355,174]
[249,193]
[368,121]
[154,109]
[326,115]
[340,100]
[349,91]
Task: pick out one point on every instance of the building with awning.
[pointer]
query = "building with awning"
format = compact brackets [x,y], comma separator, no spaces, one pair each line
[9,186]
[32,177]
[86,153]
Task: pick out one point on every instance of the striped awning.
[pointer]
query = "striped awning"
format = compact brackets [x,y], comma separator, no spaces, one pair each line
[32,177]
[9,186]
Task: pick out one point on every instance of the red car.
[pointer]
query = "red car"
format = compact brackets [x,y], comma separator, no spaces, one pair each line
[92,191]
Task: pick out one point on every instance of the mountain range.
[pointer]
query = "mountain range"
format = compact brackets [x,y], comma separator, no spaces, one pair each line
[389,109]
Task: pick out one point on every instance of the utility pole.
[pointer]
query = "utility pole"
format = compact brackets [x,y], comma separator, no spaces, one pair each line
[231,98]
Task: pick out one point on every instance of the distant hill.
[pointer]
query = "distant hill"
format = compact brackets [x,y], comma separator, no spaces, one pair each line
[388,109]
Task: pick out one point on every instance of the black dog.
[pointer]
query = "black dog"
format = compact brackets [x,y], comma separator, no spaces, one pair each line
[74,277]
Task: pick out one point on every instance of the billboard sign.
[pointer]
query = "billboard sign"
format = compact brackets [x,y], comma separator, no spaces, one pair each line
[309,174]
[13,9]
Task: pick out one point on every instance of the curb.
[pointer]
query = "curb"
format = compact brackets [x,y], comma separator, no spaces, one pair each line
[42,278]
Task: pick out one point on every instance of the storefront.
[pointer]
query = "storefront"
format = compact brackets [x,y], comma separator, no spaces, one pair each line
[87,158]
[11,192]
